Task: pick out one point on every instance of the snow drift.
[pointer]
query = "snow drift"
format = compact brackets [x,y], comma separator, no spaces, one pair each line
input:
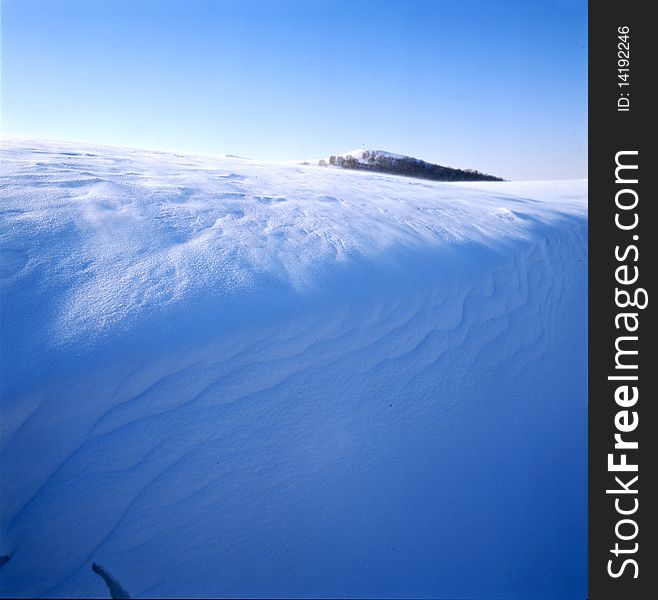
[223,377]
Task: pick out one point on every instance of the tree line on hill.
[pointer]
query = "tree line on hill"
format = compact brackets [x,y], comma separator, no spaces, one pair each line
[406,165]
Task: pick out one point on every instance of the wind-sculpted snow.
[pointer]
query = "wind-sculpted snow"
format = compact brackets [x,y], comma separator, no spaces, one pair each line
[230,378]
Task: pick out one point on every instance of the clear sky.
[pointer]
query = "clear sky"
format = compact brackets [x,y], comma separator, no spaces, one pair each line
[500,86]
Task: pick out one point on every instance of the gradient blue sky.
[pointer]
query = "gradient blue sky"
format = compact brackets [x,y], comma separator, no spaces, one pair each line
[500,86]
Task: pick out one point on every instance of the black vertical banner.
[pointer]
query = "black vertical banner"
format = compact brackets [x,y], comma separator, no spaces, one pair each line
[623,431]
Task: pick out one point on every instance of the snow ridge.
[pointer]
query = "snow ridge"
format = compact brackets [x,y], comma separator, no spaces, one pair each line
[234,378]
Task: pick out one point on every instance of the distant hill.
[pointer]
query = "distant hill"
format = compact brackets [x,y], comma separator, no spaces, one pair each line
[398,164]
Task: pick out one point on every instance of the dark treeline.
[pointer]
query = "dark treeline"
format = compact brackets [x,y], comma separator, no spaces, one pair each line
[410,167]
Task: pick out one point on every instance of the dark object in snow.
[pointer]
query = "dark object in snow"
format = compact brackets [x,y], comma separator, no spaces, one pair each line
[116,591]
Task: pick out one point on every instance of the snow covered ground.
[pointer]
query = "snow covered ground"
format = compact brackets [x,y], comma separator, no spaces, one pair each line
[224,377]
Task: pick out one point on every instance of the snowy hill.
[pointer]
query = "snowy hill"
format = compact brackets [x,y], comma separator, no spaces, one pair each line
[380,161]
[223,377]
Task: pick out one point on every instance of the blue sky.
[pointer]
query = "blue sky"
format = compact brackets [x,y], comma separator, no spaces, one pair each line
[497,86]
